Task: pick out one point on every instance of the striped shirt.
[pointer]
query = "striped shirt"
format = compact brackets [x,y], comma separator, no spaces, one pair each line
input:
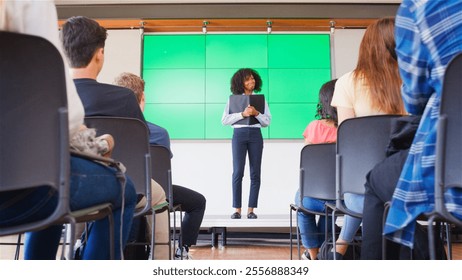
[428,34]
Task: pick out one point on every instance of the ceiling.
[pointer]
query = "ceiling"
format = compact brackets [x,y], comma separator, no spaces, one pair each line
[222,15]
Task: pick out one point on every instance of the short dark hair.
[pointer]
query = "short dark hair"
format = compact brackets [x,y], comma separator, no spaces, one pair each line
[81,38]
[324,109]
[238,79]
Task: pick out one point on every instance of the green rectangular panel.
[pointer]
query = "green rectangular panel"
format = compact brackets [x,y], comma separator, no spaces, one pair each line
[265,132]
[214,129]
[236,51]
[296,85]
[175,85]
[174,51]
[188,80]
[217,85]
[182,121]
[299,51]
[290,120]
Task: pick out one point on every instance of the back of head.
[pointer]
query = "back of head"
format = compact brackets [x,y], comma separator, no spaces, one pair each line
[133,82]
[324,110]
[81,38]
[378,67]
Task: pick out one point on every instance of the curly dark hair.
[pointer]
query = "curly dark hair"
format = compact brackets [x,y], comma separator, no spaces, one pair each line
[238,79]
[324,110]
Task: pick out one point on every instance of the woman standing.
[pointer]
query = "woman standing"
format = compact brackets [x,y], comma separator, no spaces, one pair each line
[246,139]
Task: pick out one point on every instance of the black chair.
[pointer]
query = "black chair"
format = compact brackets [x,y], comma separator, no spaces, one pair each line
[132,148]
[448,164]
[34,142]
[361,144]
[162,174]
[317,180]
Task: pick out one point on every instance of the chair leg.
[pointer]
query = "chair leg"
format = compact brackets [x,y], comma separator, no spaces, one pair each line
[174,233]
[70,255]
[384,240]
[334,241]
[170,252]
[180,237]
[291,234]
[112,238]
[298,235]
[153,232]
[18,247]
[431,237]
[448,240]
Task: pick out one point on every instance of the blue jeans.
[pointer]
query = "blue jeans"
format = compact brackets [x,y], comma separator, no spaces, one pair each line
[90,184]
[312,234]
[354,202]
[247,140]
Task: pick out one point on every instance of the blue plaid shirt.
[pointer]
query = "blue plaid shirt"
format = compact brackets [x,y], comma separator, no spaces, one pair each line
[428,34]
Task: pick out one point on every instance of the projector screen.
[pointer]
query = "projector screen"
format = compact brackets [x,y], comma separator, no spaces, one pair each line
[188,80]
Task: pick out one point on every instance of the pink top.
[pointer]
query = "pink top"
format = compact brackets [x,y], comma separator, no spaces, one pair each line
[318,132]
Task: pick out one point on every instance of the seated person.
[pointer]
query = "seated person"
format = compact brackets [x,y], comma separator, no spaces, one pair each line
[39,19]
[321,130]
[361,93]
[86,58]
[407,178]
[192,202]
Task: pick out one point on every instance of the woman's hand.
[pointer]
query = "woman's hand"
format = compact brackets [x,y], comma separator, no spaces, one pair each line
[110,144]
[250,111]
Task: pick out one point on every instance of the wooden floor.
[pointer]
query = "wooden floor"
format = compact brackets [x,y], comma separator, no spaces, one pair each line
[263,252]
[272,250]
[234,250]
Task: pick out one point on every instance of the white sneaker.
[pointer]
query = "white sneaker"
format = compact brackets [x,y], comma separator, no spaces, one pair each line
[306,255]
[185,254]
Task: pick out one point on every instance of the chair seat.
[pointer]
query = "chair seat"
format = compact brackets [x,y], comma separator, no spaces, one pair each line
[92,213]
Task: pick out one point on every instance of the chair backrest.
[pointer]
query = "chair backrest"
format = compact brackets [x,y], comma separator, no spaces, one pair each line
[131,148]
[161,168]
[317,171]
[361,144]
[34,145]
[448,164]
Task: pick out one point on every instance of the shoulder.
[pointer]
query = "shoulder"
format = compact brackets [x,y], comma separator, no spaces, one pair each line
[118,89]
[156,127]
[312,126]
[100,87]
[345,78]
[314,123]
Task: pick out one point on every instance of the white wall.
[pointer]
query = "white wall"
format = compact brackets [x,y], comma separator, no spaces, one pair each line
[206,166]
[346,46]
[122,54]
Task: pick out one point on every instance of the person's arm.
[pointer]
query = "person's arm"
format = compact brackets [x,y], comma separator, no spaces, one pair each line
[133,108]
[229,119]
[159,136]
[308,133]
[264,119]
[105,144]
[26,22]
[344,113]
[412,60]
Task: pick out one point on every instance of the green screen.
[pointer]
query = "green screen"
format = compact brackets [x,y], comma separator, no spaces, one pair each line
[188,80]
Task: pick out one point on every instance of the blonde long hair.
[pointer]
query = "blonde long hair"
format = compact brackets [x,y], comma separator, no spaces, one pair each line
[378,67]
